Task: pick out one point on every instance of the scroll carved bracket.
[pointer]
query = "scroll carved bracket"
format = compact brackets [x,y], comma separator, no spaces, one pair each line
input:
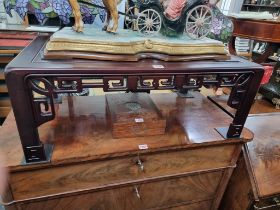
[239,90]
[44,111]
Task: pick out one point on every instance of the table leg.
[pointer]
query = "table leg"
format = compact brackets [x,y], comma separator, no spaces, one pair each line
[242,97]
[231,45]
[34,149]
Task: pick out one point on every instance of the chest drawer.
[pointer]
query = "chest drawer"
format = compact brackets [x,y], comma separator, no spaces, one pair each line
[152,195]
[116,171]
[204,205]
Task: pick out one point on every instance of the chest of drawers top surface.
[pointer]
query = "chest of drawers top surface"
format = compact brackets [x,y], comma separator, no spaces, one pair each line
[81,131]
[188,165]
[263,152]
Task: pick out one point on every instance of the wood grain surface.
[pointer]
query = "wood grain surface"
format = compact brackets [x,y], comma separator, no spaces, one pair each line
[239,194]
[250,29]
[264,153]
[6,59]
[94,175]
[205,205]
[188,166]
[155,195]
[3,87]
[79,130]
[255,181]
[4,111]
[134,115]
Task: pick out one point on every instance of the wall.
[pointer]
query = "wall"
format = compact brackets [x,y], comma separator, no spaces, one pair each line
[231,6]
[11,20]
[2,9]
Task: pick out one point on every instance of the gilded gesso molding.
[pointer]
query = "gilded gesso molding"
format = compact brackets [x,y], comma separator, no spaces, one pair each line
[130,43]
[136,47]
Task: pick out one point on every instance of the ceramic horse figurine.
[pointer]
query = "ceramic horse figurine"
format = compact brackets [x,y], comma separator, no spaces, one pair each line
[112,14]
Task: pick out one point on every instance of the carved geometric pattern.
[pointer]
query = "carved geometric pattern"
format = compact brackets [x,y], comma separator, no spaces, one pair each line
[49,86]
[239,90]
[44,110]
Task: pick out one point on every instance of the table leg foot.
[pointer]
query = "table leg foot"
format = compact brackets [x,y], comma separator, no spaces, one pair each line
[38,154]
[223,131]
[184,93]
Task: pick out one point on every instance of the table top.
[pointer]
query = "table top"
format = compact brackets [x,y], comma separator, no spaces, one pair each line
[256,20]
[248,28]
[31,61]
[81,126]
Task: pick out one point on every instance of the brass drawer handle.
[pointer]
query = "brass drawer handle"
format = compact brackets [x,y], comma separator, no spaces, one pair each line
[277,204]
[276,101]
[137,192]
[140,164]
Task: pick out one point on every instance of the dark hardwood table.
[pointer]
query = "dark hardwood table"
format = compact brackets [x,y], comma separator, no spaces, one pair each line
[33,104]
[260,30]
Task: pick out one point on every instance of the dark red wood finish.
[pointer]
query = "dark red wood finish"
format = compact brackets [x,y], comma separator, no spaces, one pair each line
[260,30]
[25,72]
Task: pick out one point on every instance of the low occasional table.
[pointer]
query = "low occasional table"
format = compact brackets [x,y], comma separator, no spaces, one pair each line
[71,159]
[33,105]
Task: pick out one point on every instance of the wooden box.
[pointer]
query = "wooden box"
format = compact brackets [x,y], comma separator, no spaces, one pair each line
[133,115]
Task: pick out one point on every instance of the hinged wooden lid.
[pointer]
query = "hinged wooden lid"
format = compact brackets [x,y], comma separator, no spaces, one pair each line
[134,114]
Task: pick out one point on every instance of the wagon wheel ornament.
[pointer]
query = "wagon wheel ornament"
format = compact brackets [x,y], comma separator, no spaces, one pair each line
[198,22]
[149,22]
[130,21]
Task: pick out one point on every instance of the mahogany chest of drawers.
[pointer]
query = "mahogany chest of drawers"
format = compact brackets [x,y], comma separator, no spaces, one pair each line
[255,184]
[187,168]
